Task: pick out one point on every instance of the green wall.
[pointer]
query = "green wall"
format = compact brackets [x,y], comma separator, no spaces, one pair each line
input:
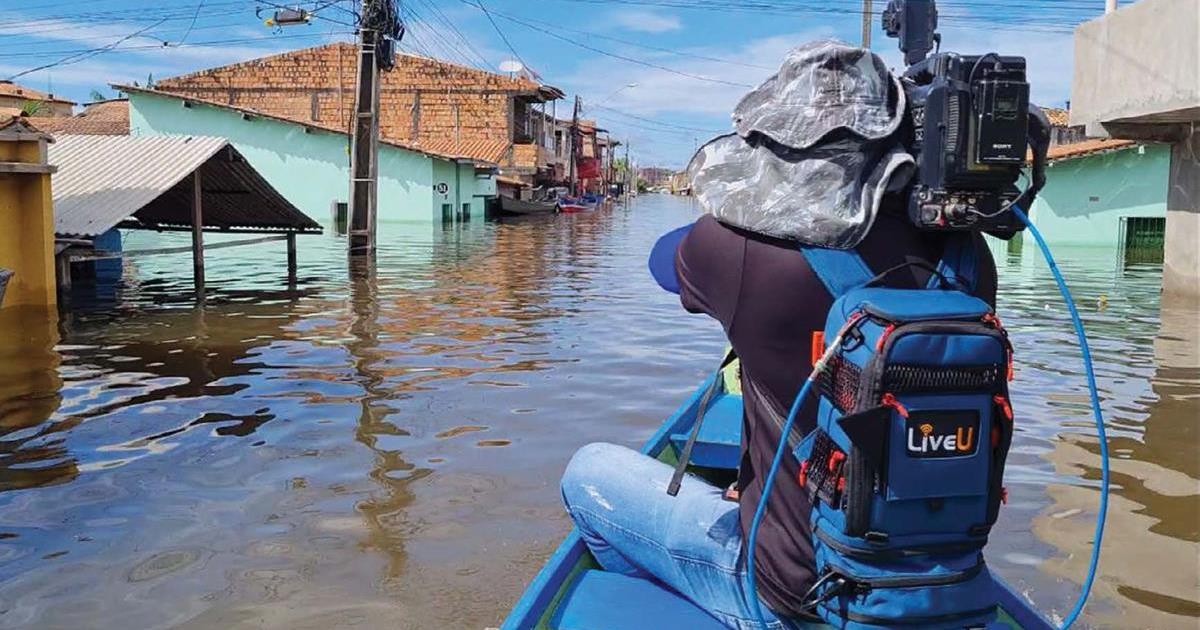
[1085,198]
[312,169]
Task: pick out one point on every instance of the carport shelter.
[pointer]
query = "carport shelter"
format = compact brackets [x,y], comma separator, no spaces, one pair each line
[163,183]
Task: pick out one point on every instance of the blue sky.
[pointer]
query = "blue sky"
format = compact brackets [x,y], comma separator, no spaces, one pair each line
[689,60]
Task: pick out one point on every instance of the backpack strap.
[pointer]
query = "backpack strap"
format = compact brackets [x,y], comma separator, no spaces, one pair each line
[839,269]
[959,262]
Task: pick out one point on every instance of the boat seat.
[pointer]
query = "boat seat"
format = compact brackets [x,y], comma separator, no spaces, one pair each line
[599,600]
[719,444]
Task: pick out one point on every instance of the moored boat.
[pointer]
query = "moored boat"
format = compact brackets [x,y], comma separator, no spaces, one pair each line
[570,205]
[518,207]
[572,591]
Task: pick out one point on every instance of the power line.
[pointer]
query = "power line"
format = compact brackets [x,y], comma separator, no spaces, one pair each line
[479,3]
[640,62]
[223,42]
[76,58]
[658,122]
[199,5]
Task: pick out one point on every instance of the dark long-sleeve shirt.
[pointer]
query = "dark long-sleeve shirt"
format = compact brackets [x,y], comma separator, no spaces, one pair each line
[770,301]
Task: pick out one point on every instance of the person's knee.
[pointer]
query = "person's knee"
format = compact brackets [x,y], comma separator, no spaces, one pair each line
[587,466]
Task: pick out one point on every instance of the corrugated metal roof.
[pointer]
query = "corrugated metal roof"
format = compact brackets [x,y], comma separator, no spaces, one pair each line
[104,180]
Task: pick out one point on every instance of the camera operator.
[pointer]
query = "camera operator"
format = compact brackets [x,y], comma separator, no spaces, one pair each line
[815,161]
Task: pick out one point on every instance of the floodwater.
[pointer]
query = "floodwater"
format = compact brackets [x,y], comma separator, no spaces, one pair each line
[384,452]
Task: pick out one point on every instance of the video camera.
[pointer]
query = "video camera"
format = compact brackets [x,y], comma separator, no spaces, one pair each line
[971,126]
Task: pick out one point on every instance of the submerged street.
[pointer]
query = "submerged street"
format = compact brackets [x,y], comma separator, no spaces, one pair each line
[384,452]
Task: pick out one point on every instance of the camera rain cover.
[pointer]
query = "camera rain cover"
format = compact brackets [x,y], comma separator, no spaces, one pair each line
[814,152]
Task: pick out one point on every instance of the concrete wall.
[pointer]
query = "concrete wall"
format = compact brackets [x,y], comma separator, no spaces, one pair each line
[310,169]
[1181,256]
[1138,64]
[27,227]
[1085,198]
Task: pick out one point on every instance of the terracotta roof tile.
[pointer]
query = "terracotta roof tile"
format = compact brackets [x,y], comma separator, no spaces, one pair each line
[1087,147]
[423,103]
[106,118]
[1058,117]
[493,151]
[8,88]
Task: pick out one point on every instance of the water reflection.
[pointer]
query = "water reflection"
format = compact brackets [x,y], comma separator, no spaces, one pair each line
[382,448]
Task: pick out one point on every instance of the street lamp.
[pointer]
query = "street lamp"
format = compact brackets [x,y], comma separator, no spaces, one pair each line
[614,93]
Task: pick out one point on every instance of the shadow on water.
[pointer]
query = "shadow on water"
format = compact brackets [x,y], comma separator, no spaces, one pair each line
[383,448]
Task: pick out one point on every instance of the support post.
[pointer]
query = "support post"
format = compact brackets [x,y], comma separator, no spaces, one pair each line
[1110,6]
[364,148]
[866,24]
[575,148]
[197,235]
[291,257]
[62,266]
[1181,260]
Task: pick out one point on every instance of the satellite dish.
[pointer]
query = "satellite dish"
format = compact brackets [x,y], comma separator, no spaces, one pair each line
[511,65]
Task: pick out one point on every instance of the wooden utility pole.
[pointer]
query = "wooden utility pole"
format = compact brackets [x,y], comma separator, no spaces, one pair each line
[197,235]
[575,148]
[866,24]
[364,147]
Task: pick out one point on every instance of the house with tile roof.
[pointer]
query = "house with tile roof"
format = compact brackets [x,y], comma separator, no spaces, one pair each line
[1107,194]
[309,162]
[425,103]
[15,98]
[100,118]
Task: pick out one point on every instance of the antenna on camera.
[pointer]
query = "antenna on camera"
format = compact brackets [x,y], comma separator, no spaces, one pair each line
[914,23]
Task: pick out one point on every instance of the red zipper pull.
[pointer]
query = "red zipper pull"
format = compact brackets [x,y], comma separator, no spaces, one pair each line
[1004,405]
[836,458]
[889,400]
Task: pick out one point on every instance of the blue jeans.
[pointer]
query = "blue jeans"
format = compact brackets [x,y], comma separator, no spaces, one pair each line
[691,542]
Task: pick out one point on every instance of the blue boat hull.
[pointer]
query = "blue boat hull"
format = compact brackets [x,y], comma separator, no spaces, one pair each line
[572,593]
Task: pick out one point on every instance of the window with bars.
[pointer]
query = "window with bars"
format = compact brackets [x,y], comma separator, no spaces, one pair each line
[1142,239]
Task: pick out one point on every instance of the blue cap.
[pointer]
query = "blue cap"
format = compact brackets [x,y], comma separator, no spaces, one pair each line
[662,258]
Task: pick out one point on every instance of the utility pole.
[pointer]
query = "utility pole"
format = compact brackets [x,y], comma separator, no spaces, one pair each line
[378,30]
[866,24]
[575,148]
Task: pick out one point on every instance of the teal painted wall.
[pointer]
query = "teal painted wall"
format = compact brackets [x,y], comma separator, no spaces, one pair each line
[310,169]
[1085,198]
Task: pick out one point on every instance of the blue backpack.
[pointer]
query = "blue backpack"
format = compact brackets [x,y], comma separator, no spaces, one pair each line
[906,463]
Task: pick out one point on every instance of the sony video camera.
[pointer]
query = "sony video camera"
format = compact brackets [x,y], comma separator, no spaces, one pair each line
[971,126]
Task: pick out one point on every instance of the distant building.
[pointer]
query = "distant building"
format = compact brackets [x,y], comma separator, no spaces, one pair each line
[656,177]
[15,99]
[1061,131]
[1107,193]
[309,162]
[101,118]
[425,103]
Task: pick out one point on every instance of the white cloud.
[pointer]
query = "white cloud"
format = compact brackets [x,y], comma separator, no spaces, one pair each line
[646,21]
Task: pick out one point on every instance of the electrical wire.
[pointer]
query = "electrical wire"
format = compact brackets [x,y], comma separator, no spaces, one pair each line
[76,58]
[479,3]
[199,5]
[640,62]
[1097,415]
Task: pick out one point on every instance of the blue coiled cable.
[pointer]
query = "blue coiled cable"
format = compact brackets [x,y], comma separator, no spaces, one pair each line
[752,539]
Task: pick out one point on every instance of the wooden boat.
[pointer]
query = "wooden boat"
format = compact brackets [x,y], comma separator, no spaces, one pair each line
[519,207]
[571,205]
[572,592]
